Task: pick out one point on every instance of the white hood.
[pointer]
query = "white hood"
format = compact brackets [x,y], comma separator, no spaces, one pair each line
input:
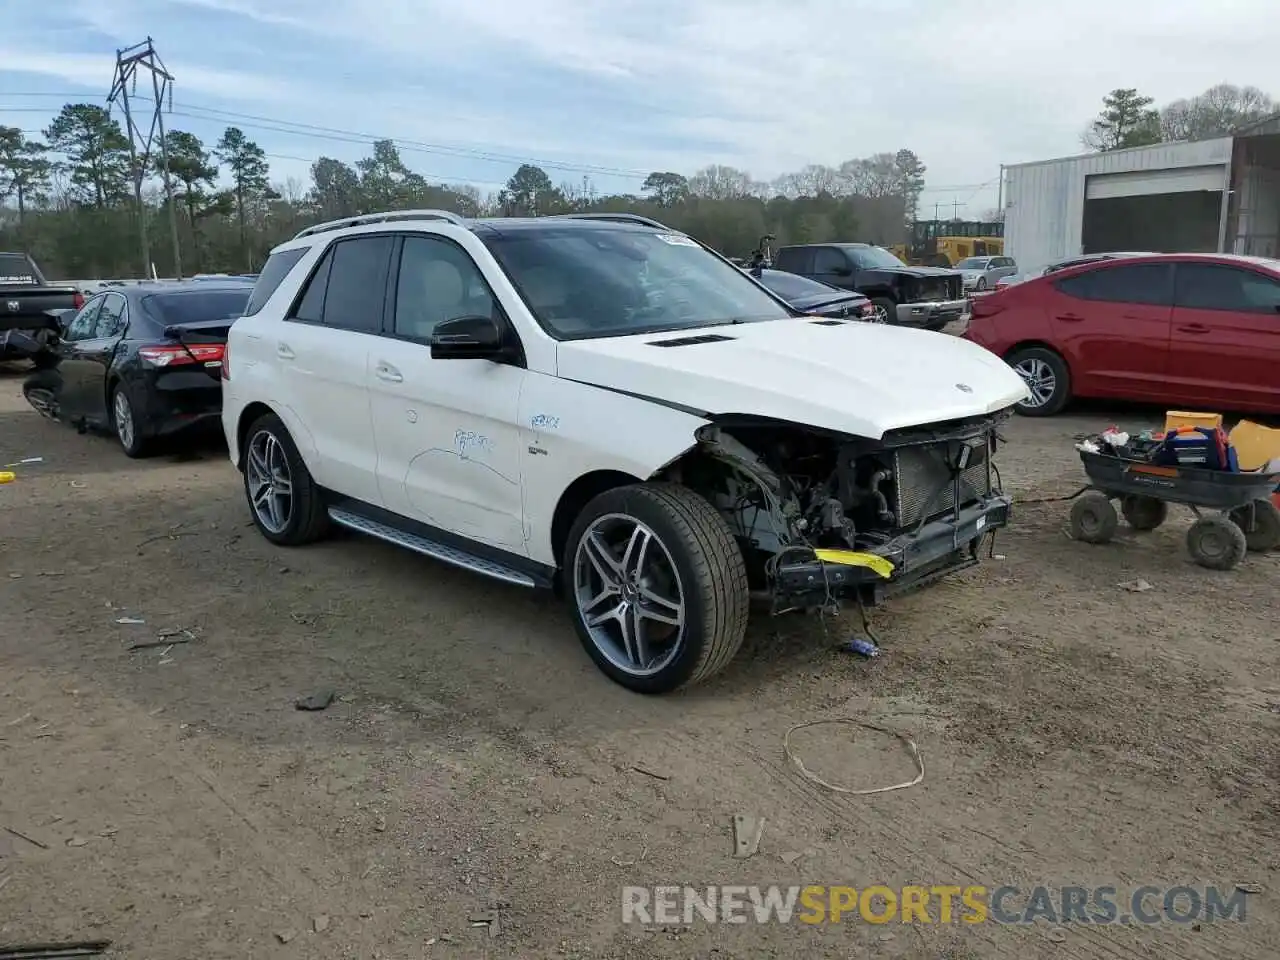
[862,379]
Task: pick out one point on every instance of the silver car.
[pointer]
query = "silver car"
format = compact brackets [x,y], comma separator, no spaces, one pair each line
[981,273]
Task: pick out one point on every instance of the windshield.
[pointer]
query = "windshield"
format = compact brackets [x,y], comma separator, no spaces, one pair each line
[791,287]
[192,306]
[973,263]
[611,281]
[869,258]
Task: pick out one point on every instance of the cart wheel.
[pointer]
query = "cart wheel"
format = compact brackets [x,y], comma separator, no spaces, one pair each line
[1093,518]
[1216,542]
[1144,513]
[1261,525]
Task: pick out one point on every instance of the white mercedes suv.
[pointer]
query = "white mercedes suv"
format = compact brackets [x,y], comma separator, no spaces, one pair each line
[601,405]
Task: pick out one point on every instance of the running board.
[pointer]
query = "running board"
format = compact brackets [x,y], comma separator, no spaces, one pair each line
[429,548]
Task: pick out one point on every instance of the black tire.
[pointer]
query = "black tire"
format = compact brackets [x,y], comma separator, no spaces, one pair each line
[1093,518]
[1144,513]
[887,307]
[134,440]
[45,361]
[711,574]
[1216,542]
[982,283]
[41,390]
[308,519]
[1261,525]
[1061,393]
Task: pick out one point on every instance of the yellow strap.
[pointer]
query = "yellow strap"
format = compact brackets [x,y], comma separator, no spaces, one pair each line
[853,558]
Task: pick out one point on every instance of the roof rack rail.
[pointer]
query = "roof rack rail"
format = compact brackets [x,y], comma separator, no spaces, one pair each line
[386,217]
[616,217]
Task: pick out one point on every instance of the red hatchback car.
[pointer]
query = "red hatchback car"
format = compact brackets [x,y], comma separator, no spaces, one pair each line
[1197,330]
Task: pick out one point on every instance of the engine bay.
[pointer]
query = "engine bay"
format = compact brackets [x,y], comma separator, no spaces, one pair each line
[785,488]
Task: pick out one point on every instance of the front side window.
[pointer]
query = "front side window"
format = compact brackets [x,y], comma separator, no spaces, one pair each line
[608,281]
[82,324]
[975,263]
[1206,286]
[437,281]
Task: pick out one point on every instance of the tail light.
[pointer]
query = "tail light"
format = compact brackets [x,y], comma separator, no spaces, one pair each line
[177,355]
[77,300]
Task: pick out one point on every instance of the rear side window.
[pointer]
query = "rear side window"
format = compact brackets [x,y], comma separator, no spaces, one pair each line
[349,288]
[1203,286]
[793,259]
[1148,283]
[273,273]
[16,269]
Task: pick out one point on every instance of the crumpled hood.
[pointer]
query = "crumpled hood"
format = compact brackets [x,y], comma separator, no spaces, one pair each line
[857,378]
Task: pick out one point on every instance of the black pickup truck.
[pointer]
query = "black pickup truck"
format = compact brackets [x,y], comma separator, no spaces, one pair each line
[30,307]
[927,297]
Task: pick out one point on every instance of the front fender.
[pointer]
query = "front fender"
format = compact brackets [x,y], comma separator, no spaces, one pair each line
[569,429]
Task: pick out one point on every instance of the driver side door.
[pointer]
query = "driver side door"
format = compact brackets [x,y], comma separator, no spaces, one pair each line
[446,431]
[87,358]
[68,388]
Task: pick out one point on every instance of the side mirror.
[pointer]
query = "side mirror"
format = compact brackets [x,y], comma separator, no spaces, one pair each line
[467,338]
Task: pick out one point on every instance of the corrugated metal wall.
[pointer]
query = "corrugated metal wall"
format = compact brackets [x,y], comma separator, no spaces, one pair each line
[1044,209]
[1256,219]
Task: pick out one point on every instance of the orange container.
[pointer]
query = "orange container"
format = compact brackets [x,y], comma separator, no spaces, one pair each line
[1173,419]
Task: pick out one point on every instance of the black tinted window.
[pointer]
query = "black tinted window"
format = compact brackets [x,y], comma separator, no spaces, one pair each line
[357,287]
[110,320]
[311,306]
[273,273]
[17,269]
[438,281]
[827,260]
[1140,283]
[1204,286]
[81,325]
[793,259]
[196,305]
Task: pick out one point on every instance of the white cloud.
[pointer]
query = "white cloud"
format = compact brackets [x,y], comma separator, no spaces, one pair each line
[967,87]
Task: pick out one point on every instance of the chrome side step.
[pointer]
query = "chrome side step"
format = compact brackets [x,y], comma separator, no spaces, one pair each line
[429,548]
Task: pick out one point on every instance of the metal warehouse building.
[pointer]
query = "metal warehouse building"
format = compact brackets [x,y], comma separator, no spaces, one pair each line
[1218,195]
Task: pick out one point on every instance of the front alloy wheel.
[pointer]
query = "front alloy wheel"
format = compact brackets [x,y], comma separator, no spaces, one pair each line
[270,482]
[628,594]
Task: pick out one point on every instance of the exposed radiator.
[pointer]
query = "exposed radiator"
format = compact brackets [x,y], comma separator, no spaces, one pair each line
[922,483]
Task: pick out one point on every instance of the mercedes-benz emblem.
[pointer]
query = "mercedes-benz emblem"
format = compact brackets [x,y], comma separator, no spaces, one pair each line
[14,306]
[964,388]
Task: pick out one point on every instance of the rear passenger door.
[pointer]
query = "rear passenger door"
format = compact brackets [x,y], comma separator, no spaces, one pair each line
[322,351]
[831,265]
[1225,346]
[1113,324]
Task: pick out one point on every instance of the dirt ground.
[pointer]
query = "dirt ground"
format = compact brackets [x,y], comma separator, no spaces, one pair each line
[1073,731]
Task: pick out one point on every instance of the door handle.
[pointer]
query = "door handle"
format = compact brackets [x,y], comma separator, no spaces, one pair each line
[284,351]
[1069,317]
[1193,328]
[384,371]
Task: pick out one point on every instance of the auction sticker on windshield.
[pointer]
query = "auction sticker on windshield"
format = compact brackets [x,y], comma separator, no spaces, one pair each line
[676,240]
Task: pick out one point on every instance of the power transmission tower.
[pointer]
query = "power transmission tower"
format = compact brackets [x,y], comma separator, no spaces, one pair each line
[128,62]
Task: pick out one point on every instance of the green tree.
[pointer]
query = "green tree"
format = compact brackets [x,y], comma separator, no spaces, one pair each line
[195,171]
[386,183]
[335,189]
[1218,112]
[24,169]
[247,163]
[666,188]
[96,152]
[530,193]
[1127,120]
[910,172]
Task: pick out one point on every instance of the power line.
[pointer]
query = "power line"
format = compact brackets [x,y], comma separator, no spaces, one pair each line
[336,134]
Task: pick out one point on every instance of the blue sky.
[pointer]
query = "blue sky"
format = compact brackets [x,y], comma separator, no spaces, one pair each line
[614,88]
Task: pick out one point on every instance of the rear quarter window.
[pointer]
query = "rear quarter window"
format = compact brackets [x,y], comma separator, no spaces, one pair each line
[273,273]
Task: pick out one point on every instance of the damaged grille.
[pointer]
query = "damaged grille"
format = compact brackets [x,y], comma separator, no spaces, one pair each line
[923,487]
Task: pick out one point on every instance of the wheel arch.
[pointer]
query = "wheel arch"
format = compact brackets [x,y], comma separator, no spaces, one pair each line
[1041,345]
[576,496]
[251,413]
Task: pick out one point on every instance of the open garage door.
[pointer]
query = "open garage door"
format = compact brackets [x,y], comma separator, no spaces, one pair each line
[1164,211]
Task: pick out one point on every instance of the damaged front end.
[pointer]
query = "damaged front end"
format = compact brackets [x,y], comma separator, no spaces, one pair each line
[823,517]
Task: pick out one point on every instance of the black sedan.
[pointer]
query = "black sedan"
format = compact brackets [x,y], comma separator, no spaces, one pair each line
[143,362]
[816,298]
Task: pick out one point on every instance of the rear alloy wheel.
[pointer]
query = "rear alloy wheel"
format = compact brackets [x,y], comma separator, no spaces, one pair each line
[883,310]
[125,423]
[1047,378]
[285,502]
[657,586]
